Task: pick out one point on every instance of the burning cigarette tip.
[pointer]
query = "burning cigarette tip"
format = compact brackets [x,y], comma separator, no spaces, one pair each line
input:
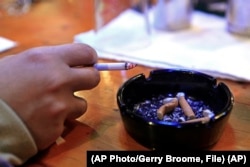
[129,66]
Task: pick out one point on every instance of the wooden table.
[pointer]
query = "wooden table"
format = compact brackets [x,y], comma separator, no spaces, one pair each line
[51,22]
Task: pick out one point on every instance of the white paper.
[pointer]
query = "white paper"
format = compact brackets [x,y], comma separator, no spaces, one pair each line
[206,47]
[6,44]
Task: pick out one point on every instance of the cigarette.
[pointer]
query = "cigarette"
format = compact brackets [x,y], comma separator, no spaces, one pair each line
[202,120]
[167,108]
[186,108]
[208,115]
[114,66]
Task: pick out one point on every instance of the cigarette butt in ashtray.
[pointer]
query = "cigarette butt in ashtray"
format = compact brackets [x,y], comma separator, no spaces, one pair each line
[208,115]
[167,107]
[186,108]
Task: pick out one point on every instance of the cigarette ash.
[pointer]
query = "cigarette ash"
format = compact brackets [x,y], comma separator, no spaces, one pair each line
[148,108]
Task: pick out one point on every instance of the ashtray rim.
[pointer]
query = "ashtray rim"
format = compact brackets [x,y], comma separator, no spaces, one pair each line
[225,111]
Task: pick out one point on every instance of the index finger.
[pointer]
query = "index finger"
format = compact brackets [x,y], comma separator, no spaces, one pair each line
[77,54]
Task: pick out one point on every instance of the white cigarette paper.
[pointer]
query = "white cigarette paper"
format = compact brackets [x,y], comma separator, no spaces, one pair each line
[114,66]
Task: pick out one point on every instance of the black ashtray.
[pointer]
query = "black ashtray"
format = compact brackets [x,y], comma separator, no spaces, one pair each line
[167,135]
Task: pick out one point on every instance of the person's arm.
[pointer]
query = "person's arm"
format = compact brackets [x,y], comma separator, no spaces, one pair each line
[16,142]
[37,89]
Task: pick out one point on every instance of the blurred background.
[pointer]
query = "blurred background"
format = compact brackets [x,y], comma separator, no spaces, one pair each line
[30,23]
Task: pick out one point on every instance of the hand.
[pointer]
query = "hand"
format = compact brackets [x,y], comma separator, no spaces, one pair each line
[39,85]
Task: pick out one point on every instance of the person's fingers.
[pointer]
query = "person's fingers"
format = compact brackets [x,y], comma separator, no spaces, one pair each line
[78,108]
[77,54]
[84,78]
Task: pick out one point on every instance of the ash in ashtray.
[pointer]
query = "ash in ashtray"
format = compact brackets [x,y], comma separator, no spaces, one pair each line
[174,108]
